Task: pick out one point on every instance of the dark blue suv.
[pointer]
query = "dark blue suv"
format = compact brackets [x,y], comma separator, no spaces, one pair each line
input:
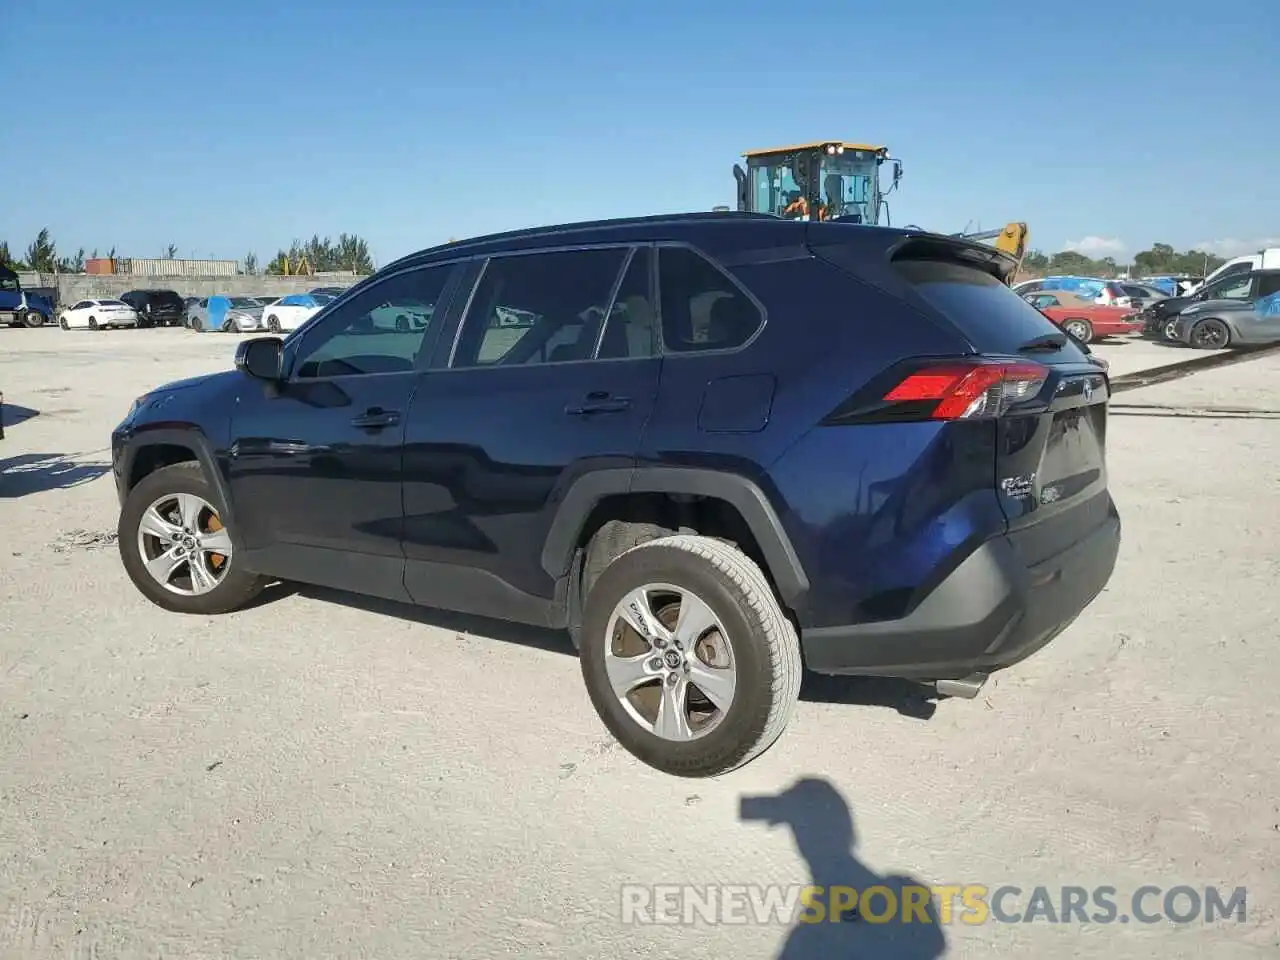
[713,447]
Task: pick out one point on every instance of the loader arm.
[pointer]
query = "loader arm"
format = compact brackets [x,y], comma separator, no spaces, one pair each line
[1010,239]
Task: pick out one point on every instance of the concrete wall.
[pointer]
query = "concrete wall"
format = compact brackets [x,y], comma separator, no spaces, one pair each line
[81,286]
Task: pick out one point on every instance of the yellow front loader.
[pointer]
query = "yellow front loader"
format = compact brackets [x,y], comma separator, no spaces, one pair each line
[838,180]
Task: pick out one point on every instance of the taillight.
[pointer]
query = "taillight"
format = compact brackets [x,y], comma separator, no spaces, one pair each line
[952,390]
[967,391]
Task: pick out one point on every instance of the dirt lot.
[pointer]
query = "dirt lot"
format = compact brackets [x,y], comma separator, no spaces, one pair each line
[320,776]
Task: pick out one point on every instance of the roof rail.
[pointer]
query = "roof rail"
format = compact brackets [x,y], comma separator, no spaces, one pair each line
[573,227]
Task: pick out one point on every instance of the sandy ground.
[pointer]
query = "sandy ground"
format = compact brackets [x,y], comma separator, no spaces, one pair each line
[322,777]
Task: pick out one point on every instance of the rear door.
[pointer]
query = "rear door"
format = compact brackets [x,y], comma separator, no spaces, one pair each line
[1050,468]
[528,395]
[1262,323]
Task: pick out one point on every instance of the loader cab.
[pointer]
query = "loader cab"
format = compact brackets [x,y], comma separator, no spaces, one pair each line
[813,181]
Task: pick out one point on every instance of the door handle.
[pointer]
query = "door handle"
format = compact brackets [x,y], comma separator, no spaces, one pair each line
[376,419]
[598,405]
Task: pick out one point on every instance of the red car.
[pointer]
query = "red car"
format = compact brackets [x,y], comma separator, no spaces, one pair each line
[1084,319]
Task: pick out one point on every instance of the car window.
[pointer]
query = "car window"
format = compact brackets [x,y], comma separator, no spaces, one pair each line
[1140,292]
[1268,284]
[81,305]
[1048,300]
[990,315]
[1238,288]
[630,332]
[538,308]
[702,309]
[380,331]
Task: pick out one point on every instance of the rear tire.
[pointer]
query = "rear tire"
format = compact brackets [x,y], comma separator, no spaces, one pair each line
[273,324]
[613,539]
[1210,334]
[235,587]
[763,651]
[93,323]
[1079,328]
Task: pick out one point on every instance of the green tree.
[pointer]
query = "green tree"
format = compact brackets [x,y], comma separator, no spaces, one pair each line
[251,263]
[5,257]
[1035,261]
[42,254]
[350,252]
[72,264]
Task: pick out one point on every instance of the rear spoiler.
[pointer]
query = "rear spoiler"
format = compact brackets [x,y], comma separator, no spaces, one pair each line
[912,243]
[934,246]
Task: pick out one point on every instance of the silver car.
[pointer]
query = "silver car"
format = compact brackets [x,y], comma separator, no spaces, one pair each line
[225,314]
[1242,322]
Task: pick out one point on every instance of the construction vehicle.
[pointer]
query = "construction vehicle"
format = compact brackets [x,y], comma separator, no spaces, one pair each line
[838,180]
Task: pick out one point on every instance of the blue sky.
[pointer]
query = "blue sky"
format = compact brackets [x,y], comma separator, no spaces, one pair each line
[1107,125]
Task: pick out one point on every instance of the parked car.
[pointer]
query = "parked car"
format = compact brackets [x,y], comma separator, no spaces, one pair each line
[1084,319]
[156,308]
[1141,295]
[1158,318]
[291,312]
[98,315]
[1107,293]
[1213,324]
[225,314]
[694,458]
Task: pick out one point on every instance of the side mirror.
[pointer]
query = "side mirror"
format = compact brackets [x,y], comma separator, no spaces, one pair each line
[261,358]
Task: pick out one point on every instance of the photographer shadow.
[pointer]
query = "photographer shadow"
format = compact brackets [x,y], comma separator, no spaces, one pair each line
[901,922]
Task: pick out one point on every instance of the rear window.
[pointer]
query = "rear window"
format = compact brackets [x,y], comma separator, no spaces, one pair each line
[113,303]
[990,315]
[166,298]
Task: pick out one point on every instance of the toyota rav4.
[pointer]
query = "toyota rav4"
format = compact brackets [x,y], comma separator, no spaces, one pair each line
[717,449]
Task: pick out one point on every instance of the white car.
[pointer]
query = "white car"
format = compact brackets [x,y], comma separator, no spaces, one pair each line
[291,312]
[98,315]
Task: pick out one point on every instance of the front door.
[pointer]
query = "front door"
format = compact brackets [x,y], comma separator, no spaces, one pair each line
[531,394]
[315,462]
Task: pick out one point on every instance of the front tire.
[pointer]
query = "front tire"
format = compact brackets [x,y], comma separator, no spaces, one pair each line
[1210,334]
[687,657]
[93,323]
[273,324]
[1079,328]
[176,549]
[33,319]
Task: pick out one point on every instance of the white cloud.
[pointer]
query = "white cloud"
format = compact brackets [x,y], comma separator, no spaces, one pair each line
[1097,247]
[1237,248]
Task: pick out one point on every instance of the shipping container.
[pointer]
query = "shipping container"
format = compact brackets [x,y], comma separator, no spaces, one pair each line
[100,265]
[162,267]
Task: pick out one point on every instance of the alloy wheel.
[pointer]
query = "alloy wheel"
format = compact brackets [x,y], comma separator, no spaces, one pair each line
[670,662]
[183,544]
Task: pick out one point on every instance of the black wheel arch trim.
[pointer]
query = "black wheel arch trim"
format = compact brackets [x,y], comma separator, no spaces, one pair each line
[195,441]
[738,491]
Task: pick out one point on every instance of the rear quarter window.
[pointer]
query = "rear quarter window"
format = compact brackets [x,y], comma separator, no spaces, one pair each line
[991,316]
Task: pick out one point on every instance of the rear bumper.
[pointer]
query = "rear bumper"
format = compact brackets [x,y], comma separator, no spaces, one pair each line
[990,613]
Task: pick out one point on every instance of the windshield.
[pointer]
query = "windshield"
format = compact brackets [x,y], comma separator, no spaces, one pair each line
[848,185]
[245,303]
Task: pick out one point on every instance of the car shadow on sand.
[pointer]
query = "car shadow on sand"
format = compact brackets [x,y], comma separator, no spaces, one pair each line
[29,473]
[856,912]
[913,700]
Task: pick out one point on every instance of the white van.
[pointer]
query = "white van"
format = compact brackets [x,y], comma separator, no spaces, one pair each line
[1268,259]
